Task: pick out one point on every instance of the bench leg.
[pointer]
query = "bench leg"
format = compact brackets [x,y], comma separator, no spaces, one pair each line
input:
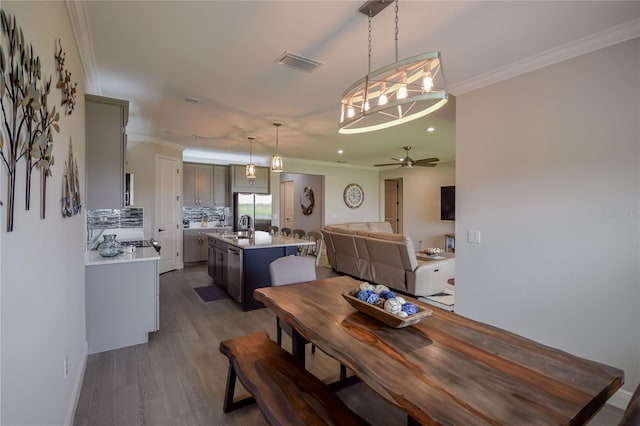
[229,403]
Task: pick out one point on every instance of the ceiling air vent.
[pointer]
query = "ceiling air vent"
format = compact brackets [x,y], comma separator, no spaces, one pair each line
[298,62]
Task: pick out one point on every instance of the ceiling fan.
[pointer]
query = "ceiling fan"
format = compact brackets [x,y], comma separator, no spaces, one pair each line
[409,162]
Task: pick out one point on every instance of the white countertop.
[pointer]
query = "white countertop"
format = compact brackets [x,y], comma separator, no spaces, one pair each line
[141,254]
[262,240]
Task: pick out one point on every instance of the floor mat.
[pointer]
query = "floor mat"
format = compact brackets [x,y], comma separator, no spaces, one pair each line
[210,293]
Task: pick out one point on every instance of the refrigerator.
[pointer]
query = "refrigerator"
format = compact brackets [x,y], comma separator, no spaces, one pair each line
[251,210]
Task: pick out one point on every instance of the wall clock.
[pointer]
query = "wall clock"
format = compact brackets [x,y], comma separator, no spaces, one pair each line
[353,195]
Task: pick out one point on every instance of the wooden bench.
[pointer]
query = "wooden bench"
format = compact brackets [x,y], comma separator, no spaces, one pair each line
[286,393]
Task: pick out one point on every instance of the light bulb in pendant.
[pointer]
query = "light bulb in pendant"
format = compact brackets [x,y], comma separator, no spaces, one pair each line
[427,82]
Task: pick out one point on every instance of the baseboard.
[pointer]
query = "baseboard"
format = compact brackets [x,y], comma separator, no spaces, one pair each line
[75,395]
[620,399]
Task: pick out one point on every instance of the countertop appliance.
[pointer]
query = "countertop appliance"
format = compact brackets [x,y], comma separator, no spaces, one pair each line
[251,211]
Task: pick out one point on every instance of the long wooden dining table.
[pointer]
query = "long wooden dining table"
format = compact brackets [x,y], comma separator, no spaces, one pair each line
[446,369]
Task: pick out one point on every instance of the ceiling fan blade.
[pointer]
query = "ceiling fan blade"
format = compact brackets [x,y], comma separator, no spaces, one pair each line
[426,162]
[388,164]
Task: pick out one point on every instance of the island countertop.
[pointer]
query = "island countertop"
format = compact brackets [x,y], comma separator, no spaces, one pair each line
[262,240]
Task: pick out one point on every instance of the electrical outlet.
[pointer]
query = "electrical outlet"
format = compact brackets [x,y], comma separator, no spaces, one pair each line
[66,366]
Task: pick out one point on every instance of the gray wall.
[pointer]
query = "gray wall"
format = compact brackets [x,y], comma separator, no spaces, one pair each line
[312,222]
[42,261]
[548,171]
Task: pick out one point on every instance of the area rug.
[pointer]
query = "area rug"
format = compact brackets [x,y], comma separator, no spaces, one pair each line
[445,298]
[210,293]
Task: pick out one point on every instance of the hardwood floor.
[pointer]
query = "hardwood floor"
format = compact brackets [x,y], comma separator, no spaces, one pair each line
[179,377]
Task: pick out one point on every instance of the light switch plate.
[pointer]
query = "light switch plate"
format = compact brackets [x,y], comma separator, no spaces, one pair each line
[473,237]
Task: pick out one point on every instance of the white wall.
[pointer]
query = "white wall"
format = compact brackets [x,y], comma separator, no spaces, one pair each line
[421,195]
[548,171]
[337,177]
[42,266]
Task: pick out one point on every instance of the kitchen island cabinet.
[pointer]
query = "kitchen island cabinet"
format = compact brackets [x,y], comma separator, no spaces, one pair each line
[121,299]
[241,265]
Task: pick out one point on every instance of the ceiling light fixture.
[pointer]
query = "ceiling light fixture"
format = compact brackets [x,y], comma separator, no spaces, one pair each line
[395,94]
[430,129]
[276,160]
[250,170]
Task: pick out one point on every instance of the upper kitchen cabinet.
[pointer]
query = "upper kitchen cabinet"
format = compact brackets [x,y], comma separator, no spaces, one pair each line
[105,120]
[197,184]
[240,183]
[221,186]
[205,185]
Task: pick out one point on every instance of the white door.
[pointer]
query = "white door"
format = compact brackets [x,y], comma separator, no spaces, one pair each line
[168,212]
[286,193]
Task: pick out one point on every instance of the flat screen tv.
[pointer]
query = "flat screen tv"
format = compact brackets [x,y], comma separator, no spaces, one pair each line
[448,203]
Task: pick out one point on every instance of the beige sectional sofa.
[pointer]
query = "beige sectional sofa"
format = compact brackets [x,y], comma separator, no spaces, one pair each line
[371,251]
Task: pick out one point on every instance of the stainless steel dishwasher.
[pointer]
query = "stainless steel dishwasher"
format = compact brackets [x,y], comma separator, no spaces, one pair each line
[234,273]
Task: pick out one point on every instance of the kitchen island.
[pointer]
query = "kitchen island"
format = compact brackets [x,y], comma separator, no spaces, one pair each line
[240,265]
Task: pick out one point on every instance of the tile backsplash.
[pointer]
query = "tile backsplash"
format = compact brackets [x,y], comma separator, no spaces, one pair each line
[132,217]
[214,214]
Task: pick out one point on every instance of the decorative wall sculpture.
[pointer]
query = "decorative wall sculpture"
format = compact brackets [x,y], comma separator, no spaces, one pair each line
[26,118]
[64,82]
[307,201]
[70,186]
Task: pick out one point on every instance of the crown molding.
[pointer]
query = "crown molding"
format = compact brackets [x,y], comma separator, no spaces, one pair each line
[150,139]
[600,40]
[80,24]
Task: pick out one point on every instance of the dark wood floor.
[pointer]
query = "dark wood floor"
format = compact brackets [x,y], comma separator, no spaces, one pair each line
[178,378]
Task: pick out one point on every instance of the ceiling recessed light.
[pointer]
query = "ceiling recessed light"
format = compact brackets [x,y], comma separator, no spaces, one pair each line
[430,129]
[340,151]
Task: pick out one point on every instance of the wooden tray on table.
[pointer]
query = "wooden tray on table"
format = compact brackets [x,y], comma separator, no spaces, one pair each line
[387,317]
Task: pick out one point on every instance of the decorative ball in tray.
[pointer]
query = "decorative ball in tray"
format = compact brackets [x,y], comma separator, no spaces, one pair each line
[382,304]
[433,251]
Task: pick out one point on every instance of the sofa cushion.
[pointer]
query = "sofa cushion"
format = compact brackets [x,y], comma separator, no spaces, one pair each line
[347,257]
[355,226]
[380,227]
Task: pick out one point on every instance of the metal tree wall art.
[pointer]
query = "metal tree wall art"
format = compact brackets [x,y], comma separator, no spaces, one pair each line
[41,152]
[26,119]
[64,82]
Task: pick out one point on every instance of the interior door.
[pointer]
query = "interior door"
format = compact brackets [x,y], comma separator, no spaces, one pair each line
[393,203]
[168,212]
[287,220]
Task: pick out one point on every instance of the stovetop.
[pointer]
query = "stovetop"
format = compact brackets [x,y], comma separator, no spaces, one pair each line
[136,243]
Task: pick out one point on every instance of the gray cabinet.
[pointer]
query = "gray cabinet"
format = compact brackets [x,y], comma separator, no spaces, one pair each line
[221,196]
[205,185]
[197,185]
[194,245]
[240,183]
[122,304]
[105,121]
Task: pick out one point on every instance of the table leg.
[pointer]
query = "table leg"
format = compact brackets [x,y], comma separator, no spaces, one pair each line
[298,344]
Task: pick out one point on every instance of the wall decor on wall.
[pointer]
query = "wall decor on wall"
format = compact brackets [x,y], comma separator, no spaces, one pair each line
[64,82]
[307,201]
[27,121]
[71,205]
[353,195]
